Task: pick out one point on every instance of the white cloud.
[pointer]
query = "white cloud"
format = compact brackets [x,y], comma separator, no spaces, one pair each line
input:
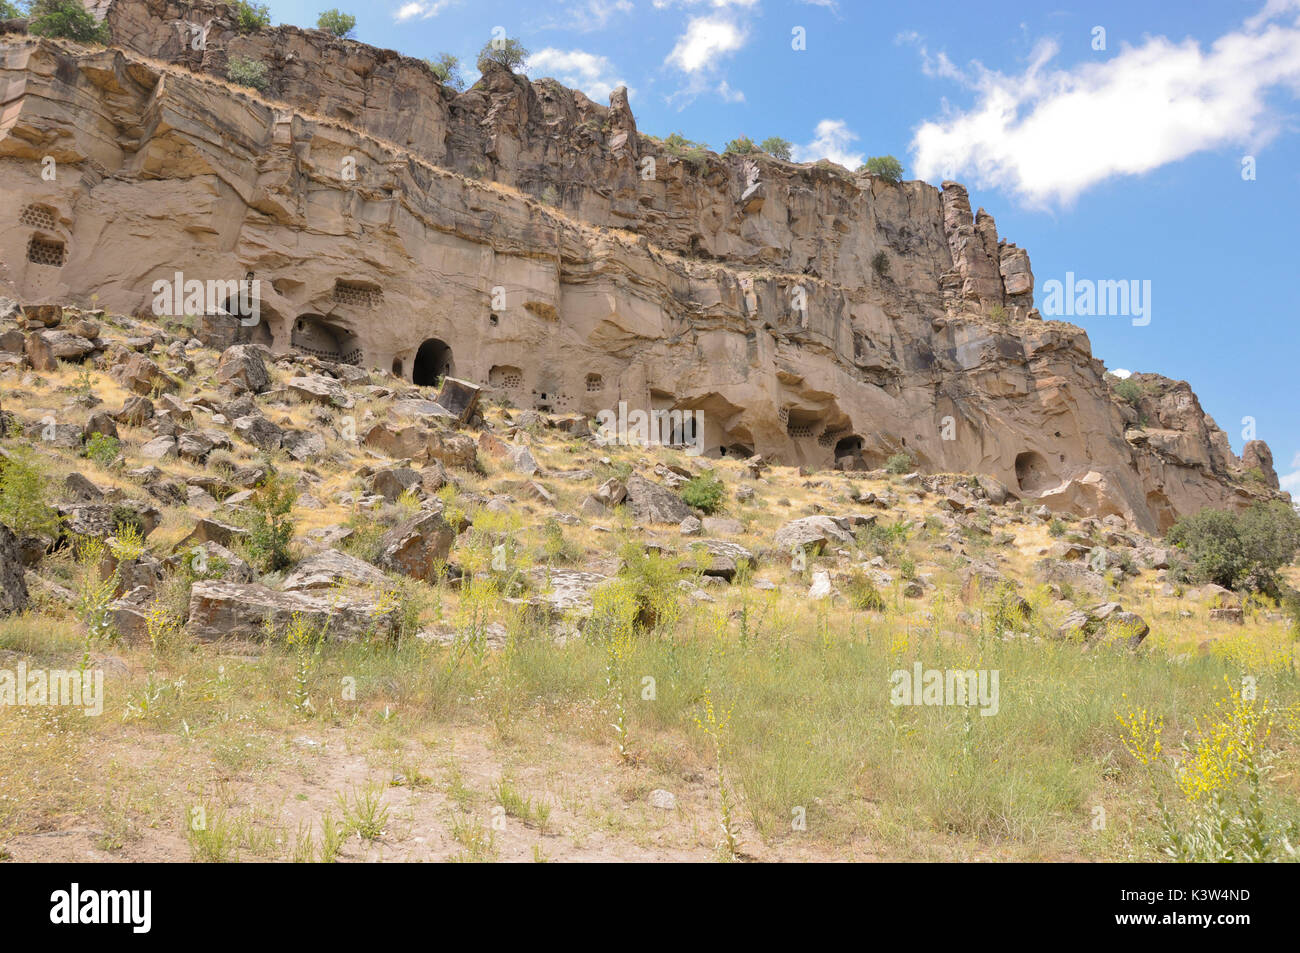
[728,94]
[1291,481]
[1121,373]
[592,74]
[831,141]
[705,41]
[716,4]
[422,9]
[596,14]
[1049,134]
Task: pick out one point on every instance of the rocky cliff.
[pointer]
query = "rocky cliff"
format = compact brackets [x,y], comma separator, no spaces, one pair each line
[523,237]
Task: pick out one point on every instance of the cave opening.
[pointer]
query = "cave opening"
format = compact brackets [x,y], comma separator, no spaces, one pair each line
[433,361]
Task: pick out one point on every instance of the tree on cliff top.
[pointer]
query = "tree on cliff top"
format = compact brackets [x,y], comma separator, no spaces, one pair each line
[251,17]
[67,19]
[887,167]
[507,51]
[447,68]
[777,147]
[337,22]
[9,11]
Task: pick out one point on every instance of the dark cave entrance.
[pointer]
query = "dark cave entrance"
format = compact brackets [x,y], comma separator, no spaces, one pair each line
[433,361]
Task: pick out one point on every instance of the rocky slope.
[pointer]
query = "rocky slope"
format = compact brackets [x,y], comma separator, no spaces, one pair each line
[524,238]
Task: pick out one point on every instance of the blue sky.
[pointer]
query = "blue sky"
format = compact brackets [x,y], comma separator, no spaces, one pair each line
[1115,156]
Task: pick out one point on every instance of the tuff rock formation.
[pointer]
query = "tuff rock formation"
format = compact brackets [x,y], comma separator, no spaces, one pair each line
[530,241]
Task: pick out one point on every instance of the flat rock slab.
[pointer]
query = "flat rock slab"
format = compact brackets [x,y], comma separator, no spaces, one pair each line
[222,610]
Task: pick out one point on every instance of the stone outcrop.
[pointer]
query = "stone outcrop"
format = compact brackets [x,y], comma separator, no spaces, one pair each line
[536,245]
[225,610]
[13,590]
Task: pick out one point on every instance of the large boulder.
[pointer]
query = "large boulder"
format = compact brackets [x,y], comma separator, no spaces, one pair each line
[46,348]
[652,503]
[142,376]
[320,389]
[226,610]
[13,590]
[260,432]
[243,368]
[418,547]
[332,568]
[1107,622]
[36,316]
[811,532]
[459,397]
[720,558]
[392,482]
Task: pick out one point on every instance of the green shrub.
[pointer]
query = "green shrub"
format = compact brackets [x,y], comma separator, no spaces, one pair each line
[1055,528]
[102,449]
[900,463]
[67,19]
[741,147]
[251,17]
[447,68]
[689,151]
[862,593]
[1128,391]
[1242,549]
[337,22]
[777,147]
[22,497]
[880,264]
[247,72]
[510,53]
[9,11]
[704,492]
[649,580]
[887,167]
[269,524]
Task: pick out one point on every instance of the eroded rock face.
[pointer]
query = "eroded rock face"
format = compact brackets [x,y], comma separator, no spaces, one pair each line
[822,318]
[13,590]
[227,610]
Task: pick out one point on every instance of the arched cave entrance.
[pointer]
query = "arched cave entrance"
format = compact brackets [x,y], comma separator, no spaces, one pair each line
[255,319]
[1032,471]
[848,446]
[433,361]
[315,335]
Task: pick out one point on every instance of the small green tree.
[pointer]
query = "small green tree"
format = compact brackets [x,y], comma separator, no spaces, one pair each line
[1128,391]
[1243,549]
[270,528]
[447,68]
[251,17]
[777,147]
[887,167]
[688,150]
[900,463]
[247,72]
[508,52]
[9,11]
[704,492]
[742,146]
[22,496]
[67,19]
[337,22]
